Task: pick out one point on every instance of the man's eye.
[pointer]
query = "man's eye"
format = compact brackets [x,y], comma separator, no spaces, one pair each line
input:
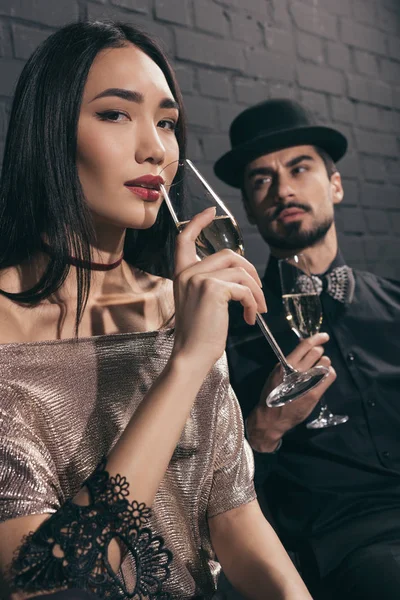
[300,169]
[114,116]
[167,124]
[258,183]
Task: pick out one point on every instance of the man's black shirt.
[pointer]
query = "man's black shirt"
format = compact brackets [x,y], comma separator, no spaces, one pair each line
[338,488]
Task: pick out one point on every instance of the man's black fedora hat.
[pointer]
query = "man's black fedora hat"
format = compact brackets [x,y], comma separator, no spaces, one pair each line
[269,126]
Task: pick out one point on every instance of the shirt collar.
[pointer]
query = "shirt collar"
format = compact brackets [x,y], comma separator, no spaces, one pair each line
[271,279]
[338,261]
[271,276]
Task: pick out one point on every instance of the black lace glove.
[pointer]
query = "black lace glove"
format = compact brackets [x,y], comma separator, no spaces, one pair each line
[70,549]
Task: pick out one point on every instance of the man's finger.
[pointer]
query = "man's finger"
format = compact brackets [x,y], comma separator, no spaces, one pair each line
[304,347]
[321,388]
[310,359]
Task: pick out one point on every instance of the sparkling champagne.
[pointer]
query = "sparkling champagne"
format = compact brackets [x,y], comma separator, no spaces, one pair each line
[303,312]
[221,233]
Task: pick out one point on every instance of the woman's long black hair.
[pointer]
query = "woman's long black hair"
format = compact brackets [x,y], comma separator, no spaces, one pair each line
[40,194]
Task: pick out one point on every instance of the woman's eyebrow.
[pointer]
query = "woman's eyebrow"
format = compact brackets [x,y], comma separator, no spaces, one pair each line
[169,103]
[133,96]
[121,93]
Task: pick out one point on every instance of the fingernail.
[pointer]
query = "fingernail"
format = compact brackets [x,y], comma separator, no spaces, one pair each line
[213,209]
[325,335]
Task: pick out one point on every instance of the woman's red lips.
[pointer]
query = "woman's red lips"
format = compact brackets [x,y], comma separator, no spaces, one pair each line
[147,181]
[146,187]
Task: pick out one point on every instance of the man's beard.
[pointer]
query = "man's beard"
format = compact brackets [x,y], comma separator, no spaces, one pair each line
[294,238]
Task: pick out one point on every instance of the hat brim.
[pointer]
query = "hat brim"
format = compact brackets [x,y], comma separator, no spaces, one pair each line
[229,168]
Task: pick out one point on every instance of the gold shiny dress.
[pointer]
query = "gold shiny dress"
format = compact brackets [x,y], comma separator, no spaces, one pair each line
[63,405]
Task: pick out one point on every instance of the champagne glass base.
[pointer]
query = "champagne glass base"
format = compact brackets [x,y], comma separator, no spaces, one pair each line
[296,385]
[327,420]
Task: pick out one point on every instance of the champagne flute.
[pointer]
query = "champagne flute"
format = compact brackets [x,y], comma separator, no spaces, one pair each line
[188,195]
[304,314]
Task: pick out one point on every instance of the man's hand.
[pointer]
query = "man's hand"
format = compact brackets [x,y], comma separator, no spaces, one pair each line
[265,426]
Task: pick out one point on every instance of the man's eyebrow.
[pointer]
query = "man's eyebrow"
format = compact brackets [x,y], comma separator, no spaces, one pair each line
[260,171]
[297,159]
[133,96]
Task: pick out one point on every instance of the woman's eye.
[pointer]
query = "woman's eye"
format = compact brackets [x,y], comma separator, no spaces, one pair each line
[114,116]
[167,124]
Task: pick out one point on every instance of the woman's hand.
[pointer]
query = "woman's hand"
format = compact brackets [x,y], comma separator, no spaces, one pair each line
[202,291]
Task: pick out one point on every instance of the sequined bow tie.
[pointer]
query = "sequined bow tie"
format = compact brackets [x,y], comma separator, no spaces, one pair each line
[338,283]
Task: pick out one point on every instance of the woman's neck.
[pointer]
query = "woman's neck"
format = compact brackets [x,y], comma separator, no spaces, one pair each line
[109,244]
[105,263]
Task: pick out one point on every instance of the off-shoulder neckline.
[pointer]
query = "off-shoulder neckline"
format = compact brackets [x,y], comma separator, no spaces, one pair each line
[90,339]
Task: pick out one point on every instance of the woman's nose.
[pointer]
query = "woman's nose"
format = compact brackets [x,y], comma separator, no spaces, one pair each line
[150,147]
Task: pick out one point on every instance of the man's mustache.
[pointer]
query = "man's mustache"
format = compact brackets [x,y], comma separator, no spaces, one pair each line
[283,207]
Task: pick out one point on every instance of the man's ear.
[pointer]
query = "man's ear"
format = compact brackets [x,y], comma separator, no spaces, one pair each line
[249,214]
[337,188]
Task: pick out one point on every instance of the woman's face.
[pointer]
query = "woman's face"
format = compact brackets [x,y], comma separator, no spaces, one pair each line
[126,131]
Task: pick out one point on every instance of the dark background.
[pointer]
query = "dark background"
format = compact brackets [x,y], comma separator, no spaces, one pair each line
[340,57]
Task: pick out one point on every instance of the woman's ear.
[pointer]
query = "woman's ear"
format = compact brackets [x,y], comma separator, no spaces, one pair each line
[337,188]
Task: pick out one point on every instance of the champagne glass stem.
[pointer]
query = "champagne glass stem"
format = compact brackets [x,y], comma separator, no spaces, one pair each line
[324,410]
[288,369]
[169,204]
[326,418]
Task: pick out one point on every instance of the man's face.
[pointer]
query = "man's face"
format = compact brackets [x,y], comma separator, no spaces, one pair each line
[289,196]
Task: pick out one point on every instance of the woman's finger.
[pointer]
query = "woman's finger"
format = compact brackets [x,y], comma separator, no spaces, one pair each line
[224,259]
[235,275]
[228,258]
[185,249]
[242,294]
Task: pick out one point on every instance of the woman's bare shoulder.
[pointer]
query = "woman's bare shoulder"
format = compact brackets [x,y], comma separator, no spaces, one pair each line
[10,279]
[11,313]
